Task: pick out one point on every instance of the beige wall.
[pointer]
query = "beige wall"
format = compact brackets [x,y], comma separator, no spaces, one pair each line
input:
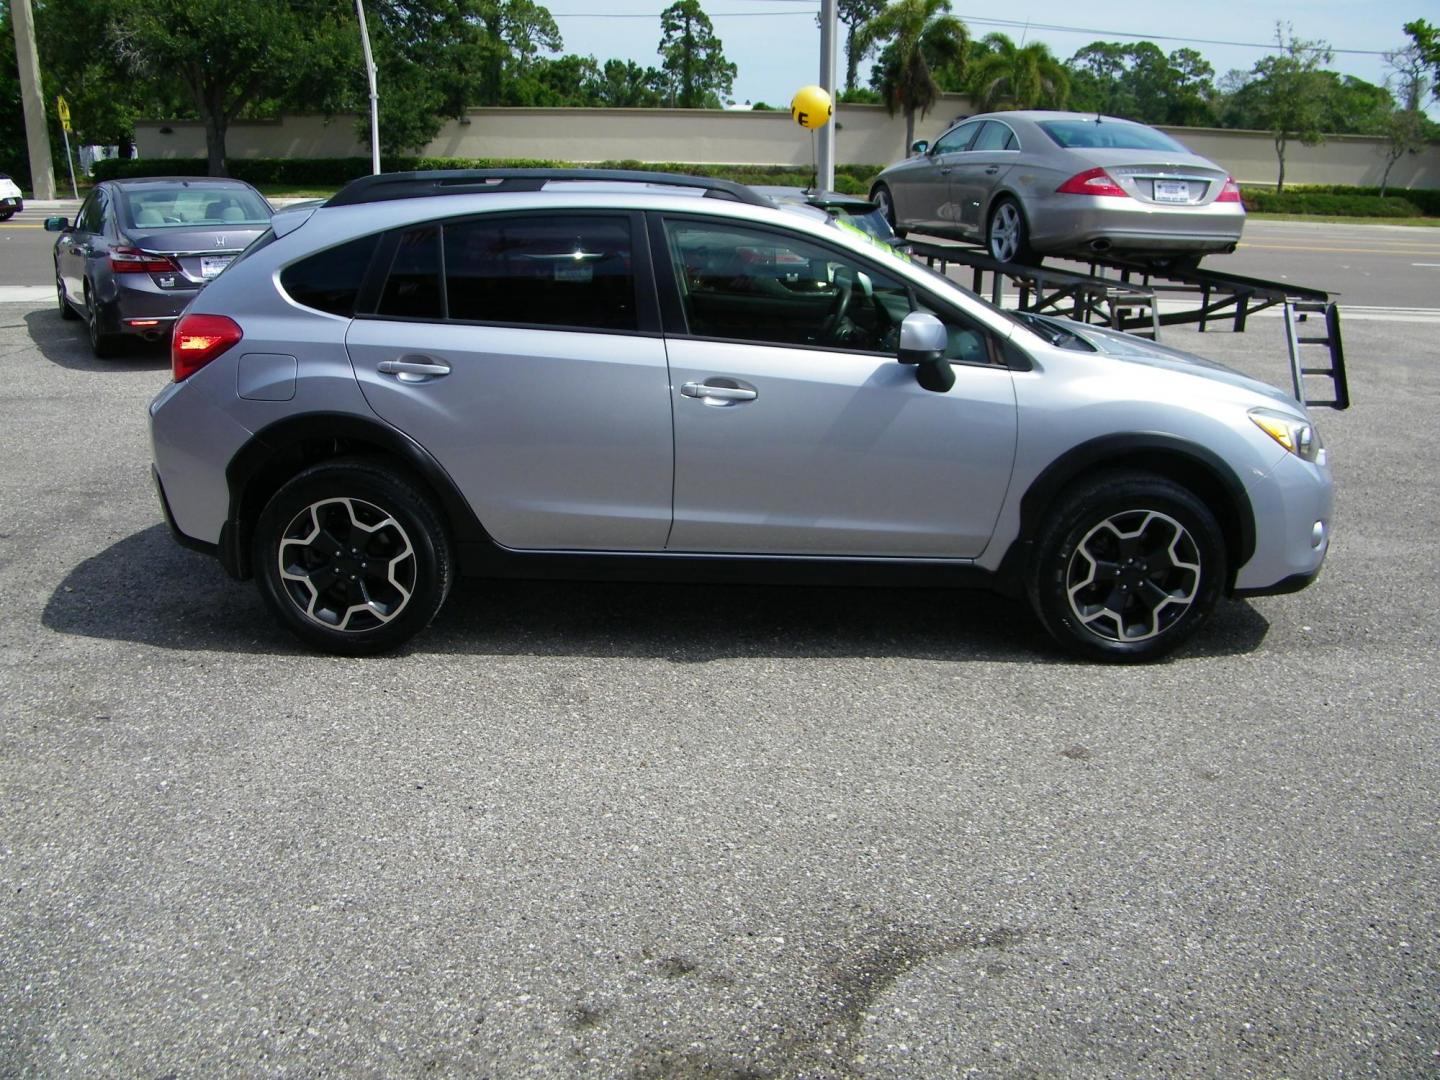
[867,135]
[1340,159]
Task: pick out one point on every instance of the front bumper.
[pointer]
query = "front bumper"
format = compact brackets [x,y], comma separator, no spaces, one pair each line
[1293,506]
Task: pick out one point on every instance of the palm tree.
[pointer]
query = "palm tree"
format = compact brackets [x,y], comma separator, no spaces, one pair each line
[1023,76]
[922,34]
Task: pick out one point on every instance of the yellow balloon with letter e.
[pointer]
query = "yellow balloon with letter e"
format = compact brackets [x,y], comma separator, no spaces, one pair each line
[811,107]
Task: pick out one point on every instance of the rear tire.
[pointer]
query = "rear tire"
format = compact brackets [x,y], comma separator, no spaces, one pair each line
[352,557]
[105,346]
[1128,567]
[881,197]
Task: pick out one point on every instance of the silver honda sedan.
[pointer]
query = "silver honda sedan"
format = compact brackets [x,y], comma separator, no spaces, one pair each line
[1029,184]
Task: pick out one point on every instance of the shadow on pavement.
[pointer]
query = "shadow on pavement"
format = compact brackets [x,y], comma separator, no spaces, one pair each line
[148,590]
[68,345]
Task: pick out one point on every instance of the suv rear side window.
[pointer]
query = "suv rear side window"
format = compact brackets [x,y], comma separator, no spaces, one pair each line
[561,270]
[412,289]
[330,280]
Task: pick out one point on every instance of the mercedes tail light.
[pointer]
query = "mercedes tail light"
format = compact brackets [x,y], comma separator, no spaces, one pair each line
[129,260]
[1092,182]
[197,340]
[1230,192]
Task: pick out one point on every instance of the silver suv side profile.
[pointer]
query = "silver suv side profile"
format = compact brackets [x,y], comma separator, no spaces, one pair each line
[628,375]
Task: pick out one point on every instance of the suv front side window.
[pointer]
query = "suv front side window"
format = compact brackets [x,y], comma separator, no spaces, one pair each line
[744,284]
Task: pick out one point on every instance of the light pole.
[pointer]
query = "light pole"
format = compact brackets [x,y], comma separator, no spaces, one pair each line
[374,95]
[826,164]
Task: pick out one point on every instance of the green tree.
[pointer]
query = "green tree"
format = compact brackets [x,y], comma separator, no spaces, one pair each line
[1192,93]
[1285,94]
[230,57]
[104,99]
[855,14]
[1407,129]
[516,33]
[14,161]
[1021,76]
[921,35]
[1353,106]
[624,84]
[1426,41]
[1139,82]
[565,82]
[436,58]
[693,57]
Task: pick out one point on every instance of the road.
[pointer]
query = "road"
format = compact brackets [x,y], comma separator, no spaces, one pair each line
[1368,265]
[642,831]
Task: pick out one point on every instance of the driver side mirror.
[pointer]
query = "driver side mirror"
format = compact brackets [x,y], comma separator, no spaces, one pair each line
[923,340]
[57,224]
[919,146]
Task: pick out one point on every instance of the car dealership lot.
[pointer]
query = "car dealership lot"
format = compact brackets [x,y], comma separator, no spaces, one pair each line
[618,830]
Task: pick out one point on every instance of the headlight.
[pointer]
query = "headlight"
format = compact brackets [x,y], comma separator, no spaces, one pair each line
[1296,435]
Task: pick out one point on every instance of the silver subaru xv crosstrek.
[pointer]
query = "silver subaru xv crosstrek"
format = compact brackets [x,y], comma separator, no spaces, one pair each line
[528,373]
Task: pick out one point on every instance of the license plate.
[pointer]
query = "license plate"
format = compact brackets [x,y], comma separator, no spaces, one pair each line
[1176,191]
[211,265]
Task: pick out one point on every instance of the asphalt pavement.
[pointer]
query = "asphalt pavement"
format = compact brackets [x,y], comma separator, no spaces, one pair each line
[610,830]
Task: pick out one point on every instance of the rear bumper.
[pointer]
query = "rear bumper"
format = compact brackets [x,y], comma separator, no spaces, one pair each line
[1082,223]
[142,307]
[180,538]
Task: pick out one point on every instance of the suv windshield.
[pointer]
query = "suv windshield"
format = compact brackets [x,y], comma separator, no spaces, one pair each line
[1108,135]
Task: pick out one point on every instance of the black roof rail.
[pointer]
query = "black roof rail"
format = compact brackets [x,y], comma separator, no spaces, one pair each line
[419,185]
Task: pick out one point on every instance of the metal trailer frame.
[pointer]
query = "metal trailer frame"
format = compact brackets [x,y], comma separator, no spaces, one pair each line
[1125,295]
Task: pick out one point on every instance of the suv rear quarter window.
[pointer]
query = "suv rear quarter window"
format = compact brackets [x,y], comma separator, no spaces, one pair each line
[330,280]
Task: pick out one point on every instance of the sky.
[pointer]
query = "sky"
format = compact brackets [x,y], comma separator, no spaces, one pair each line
[775,44]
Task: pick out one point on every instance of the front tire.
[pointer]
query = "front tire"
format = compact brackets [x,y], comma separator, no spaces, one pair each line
[1129,566]
[1007,235]
[352,557]
[66,311]
[882,198]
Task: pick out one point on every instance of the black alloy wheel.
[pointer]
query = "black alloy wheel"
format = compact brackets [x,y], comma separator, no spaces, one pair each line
[352,557]
[1129,566]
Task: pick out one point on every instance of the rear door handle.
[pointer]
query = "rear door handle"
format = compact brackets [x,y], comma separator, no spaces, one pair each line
[718,394]
[992,170]
[414,368]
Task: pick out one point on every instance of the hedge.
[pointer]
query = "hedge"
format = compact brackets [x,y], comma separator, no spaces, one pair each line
[334,172]
[1427,199]
[1342,202]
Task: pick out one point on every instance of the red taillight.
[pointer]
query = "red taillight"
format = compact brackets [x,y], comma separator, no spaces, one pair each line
[1230,192]
[128,260]
[1092,182]
[198,339]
